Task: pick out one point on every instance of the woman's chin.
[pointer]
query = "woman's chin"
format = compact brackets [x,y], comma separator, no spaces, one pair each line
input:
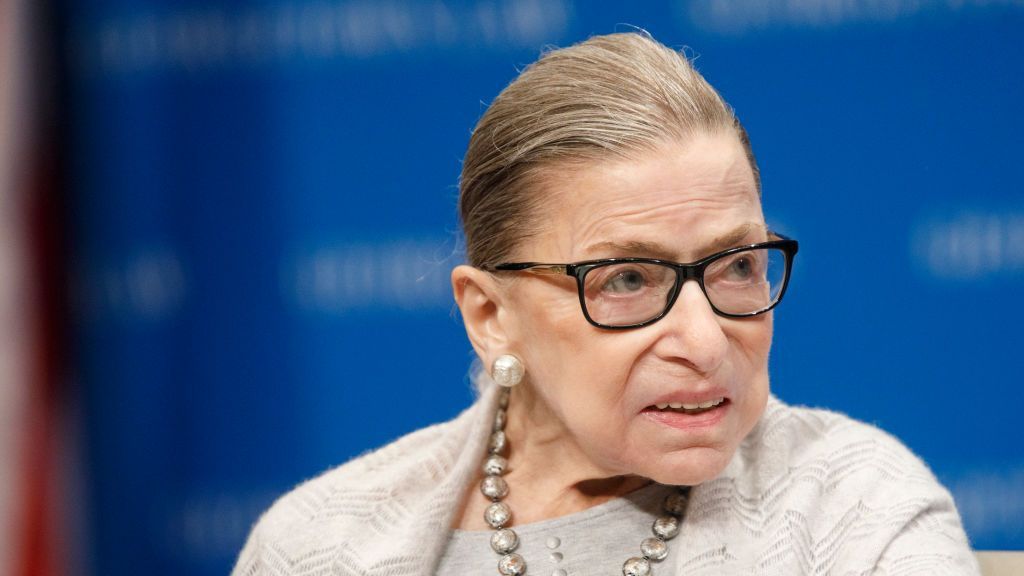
[689,467]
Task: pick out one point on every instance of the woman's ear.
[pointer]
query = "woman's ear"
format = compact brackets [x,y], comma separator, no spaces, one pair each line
[479,299]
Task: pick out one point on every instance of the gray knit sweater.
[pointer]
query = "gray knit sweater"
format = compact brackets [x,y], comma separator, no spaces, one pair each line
[808,492]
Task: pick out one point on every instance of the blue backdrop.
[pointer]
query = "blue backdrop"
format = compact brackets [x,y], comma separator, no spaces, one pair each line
[263,208]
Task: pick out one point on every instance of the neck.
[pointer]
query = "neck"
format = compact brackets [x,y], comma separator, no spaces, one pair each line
[549,474]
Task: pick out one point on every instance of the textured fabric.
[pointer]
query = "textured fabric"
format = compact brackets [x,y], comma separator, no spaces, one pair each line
[807,492]
[596,540]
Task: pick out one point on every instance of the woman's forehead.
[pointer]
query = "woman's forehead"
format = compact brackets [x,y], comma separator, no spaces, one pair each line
[671,203]
[746,233]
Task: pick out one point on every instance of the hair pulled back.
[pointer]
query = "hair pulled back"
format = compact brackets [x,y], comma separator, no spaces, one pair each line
[613,96]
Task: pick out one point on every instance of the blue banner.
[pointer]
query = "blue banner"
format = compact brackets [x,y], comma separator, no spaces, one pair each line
[263,209]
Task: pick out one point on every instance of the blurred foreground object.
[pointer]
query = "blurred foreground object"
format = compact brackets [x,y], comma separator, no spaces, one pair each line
[1001,563]
[32,531]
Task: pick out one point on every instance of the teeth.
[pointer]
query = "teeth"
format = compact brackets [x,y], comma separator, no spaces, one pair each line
[711,403]
[697,406]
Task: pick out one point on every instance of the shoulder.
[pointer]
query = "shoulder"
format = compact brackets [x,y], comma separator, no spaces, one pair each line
[852,449]
[367,477]
[843,491]
[845,456]
[335,518]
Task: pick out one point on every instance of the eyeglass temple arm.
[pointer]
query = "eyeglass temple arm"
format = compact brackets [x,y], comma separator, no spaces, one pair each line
[535,268]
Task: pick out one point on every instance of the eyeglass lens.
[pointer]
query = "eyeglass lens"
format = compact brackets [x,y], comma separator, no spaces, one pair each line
[623,294]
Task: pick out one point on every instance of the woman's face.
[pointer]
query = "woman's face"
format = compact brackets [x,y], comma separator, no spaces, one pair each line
[602,387]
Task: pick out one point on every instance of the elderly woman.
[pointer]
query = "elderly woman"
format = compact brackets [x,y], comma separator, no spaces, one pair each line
[619,291]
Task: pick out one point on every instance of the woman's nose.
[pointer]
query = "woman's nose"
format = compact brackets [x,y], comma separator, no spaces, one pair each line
[691,331]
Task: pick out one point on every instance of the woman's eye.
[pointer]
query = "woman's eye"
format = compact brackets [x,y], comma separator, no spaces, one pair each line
[741,267]
[624,281]
[747,267]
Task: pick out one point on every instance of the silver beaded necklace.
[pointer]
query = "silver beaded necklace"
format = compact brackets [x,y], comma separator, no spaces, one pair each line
[504,541]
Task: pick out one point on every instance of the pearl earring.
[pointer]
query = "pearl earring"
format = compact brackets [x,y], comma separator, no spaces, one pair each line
[507,370]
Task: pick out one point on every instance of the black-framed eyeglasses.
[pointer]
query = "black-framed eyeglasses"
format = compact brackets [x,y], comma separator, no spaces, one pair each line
[621,293]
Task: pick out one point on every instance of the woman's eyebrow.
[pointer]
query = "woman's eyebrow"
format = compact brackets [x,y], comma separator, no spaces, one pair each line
[735,237]
[632,248]
[660,251]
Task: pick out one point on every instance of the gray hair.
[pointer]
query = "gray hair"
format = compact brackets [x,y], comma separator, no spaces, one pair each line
[613,96]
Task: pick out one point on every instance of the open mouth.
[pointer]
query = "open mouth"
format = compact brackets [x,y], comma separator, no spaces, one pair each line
[683,408]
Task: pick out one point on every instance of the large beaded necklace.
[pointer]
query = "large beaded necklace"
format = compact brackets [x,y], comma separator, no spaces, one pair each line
[504,541]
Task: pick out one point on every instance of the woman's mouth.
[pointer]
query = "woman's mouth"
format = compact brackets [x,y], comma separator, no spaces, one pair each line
[690,408]
[684,415]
